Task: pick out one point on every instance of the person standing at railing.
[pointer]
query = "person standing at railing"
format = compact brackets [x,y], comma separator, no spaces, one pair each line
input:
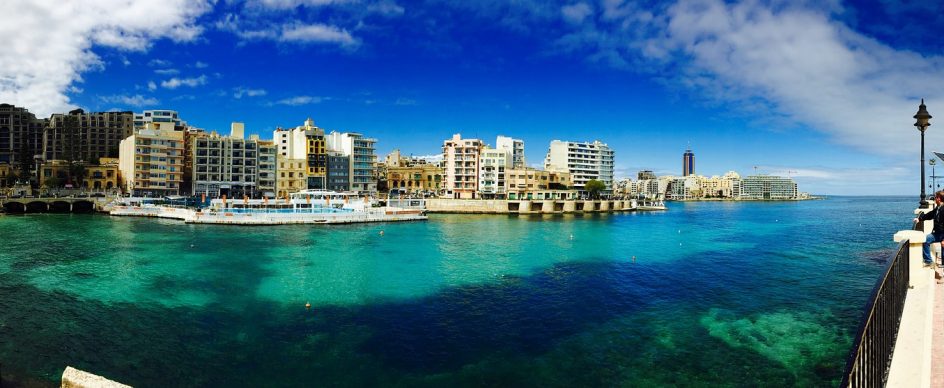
[937,234]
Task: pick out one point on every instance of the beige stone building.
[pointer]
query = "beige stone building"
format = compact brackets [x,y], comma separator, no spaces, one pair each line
[100,177]
[416,179]
[6,174]
[291,176]
[152,162]
[524,181]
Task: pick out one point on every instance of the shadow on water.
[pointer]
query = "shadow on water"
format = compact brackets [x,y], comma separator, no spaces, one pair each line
[243,341]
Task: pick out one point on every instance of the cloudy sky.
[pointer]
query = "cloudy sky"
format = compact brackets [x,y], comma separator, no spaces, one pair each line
[822,91]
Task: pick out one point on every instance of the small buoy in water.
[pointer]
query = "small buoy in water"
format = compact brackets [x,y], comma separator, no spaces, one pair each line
[680,231]
[307,306]
[634,259]
[381,233]
[571,237]
[191,245]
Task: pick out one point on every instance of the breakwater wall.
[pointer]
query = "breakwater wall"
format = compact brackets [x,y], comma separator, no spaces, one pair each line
[549,206]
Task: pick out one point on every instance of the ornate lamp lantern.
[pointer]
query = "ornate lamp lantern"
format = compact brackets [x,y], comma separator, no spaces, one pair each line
[923,122]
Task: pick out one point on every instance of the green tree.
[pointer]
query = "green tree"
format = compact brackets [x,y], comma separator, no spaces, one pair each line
[594,187]
[53,182]
[24,162]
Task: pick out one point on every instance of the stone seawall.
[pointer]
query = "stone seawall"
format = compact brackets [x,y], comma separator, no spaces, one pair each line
[550,206]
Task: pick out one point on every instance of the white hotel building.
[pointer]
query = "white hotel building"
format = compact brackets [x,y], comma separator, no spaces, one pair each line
[584,161]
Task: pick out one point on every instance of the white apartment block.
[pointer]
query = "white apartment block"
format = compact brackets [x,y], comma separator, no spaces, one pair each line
[291,143]
[165,120]
[461,166]
[152,162]
[363,159]
[768,187]
[515,147]
[493,165]
[682,188]
[266,169]
[584,161]
[225,165]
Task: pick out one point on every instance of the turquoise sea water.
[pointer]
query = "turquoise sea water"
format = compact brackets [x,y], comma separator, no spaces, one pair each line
[719,294]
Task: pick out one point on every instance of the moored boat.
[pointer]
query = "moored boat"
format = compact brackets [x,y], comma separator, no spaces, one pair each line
[304,207]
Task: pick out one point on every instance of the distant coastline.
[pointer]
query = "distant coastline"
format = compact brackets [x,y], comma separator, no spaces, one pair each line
[812,197]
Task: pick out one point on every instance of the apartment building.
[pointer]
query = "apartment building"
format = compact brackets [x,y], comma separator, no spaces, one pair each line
[768,187]
[267,167]
[305,142]
[225,165]
[515,148]
[584,161]
[523,183]
[461,166]
[151,161]
[291,175]
[21,137]
[363,160]
[339,172]
[408,174]
[493,166]
[165,120]
[83,136]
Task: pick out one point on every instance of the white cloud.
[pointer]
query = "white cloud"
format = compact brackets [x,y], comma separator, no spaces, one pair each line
[405,101]
[299,100]
[775,62]
[290,4]
[200,65]
[167,71]
[159,63]
[151,86]
[316,33]
[175,82]
[135,100]
[292,32]
[576,13]
[241,91]
[52,42]
[386,8]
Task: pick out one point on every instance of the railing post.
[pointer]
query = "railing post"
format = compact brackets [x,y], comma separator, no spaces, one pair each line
[915,255]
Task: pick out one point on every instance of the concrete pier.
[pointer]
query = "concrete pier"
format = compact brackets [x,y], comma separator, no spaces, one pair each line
[549,206]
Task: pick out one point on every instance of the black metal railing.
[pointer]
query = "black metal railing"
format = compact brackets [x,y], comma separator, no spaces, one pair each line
[871,355]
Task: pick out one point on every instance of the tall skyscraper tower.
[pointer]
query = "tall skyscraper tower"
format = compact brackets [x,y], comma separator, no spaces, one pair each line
[688,163]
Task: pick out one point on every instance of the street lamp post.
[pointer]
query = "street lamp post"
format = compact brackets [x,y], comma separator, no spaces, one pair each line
[933,186]
[922,123]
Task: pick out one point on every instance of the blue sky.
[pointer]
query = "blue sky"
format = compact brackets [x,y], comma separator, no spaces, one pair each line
[821,91]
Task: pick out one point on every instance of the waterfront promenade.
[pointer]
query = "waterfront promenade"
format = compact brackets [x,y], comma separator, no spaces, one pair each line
[910,298]
[937,347]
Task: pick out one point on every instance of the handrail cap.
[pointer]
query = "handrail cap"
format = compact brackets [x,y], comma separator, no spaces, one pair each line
[916,236]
